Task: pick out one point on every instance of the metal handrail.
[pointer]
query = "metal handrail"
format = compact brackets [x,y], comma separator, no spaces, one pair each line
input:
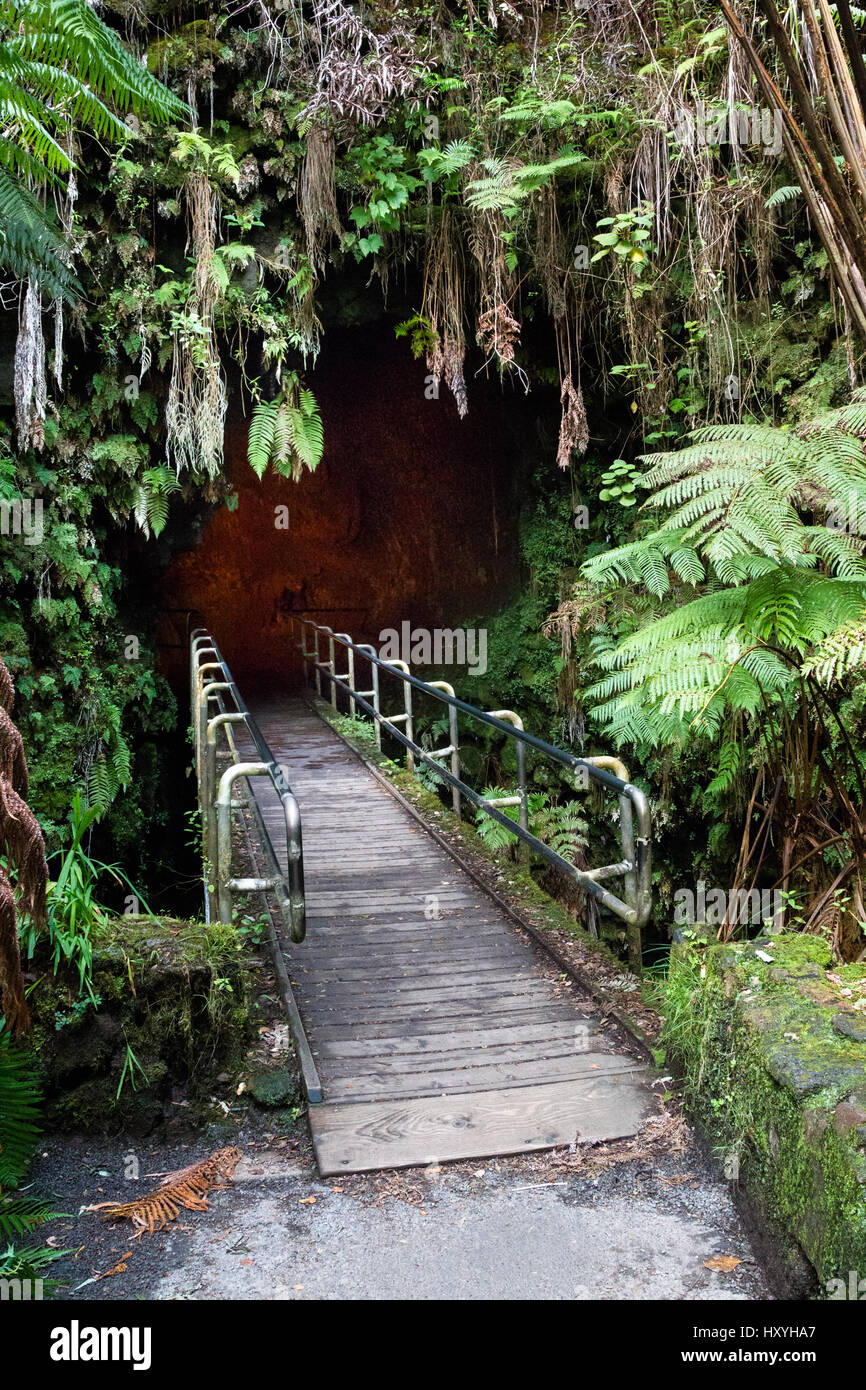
[215,800]
[635,866]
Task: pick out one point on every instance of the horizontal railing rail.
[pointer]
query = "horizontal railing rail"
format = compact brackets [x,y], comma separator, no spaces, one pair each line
[635,828]
[212,688]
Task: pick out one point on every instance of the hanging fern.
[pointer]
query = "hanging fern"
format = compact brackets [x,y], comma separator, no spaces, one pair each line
[287,433]
[61,68]
[151,508]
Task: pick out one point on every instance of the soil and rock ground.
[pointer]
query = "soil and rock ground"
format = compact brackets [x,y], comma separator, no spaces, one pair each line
[639,1219]
[603,1224]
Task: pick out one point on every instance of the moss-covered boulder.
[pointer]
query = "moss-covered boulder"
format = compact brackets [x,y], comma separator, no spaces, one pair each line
[168,1013]
[770,1040]
[274,1088]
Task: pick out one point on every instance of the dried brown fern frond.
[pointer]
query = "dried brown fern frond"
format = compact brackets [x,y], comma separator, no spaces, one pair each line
[358,72]
[13,763]
[14,1003]
[22,843]
[187,1188]
[573,429]
[7,689]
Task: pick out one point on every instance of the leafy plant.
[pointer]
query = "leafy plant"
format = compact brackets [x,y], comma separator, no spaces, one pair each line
[764,602]
[562,827]
[20,1214]
[131,1066]
[286,432]
[620,482]
[61,68]
[629,237]
[73,908]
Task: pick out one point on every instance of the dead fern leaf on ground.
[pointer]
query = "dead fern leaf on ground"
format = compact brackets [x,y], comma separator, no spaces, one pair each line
[187,1188]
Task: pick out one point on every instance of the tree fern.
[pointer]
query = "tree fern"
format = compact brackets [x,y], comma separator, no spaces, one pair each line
[757,555]
[61,69]
[19,1112]
[20,1214]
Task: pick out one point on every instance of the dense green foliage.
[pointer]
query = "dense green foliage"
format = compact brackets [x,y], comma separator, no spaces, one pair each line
[579,200]
[20,1214]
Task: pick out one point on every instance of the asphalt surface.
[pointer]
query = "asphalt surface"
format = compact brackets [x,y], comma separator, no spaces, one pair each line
[586,1226]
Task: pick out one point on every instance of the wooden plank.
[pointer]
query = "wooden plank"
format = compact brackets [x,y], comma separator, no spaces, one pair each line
[422,1045]
[422,1027]
[454,1031]
[388,1134]
[386,972]
[405,1016]
[418,1063]
[383,994]
[463,1080]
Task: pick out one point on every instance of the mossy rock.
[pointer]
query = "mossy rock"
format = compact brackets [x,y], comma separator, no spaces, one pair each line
[774,1082]
[171,1013]
[274,1088]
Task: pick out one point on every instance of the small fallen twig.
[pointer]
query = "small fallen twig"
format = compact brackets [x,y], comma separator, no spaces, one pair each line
[188,1188]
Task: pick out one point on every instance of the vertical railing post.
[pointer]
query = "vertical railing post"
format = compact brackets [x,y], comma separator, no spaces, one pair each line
[521,800]
[453,747]
[332,667]
[208,806]
[373,693]
[406,716]
[199,703]
[628,845]
[224,832]
[305,651]
[349,676]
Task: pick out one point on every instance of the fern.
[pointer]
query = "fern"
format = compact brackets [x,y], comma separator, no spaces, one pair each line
[758,592]
[20,1215]
[61,68]
[287,433]
[786,194]
[563,828]
[19,1113]
[506,182]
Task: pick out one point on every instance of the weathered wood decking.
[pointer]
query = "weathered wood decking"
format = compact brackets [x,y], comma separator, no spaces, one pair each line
[438,1030]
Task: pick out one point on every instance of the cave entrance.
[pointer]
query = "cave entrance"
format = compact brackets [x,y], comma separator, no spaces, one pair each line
[410,516]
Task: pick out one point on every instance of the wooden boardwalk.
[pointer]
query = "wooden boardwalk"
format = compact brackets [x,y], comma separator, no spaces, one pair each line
[438,1029]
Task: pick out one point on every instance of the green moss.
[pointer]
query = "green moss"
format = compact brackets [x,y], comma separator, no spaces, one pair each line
[767,1077]
[170,1012]
[275,1088]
